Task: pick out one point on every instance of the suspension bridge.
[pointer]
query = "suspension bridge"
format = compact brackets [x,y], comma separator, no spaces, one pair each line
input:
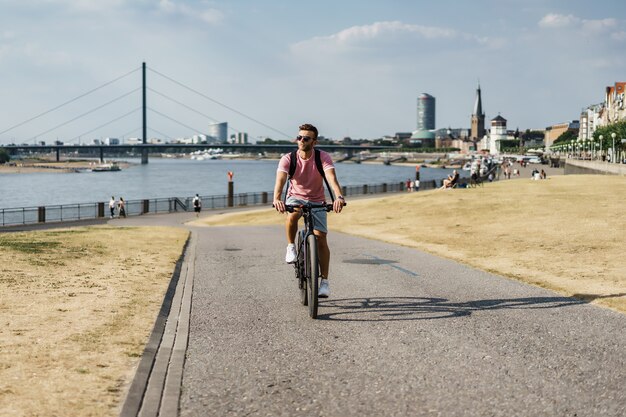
[143,147]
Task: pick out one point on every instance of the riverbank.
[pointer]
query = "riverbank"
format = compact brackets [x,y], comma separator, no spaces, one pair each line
[564,233]
[28,166]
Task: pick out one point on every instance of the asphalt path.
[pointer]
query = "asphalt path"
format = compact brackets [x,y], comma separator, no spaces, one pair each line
[403,333]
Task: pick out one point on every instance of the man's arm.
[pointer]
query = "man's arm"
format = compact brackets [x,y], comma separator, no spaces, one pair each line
[334,184]
[281,179]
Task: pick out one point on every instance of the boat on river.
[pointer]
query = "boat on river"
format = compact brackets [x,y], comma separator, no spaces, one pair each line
[113,166]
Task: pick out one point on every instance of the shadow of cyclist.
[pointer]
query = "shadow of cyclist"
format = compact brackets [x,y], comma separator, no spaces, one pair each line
[419,308]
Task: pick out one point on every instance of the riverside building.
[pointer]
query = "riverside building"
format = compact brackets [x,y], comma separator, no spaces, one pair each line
[218,132]
[424,135]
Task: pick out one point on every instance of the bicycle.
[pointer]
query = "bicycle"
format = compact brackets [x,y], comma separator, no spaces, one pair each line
[307,262]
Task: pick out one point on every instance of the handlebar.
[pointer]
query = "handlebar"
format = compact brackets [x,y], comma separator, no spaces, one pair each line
[292,207]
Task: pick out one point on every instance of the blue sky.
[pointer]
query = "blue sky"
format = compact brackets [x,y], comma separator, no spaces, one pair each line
[353,68]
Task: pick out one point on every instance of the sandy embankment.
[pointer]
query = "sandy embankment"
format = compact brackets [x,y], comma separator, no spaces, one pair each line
[78,306]
[24,167]
[565,233]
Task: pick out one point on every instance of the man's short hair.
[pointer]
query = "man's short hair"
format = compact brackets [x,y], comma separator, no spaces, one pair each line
[310,128]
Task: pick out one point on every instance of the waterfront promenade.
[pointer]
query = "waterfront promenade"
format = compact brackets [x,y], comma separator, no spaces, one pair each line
[404,333]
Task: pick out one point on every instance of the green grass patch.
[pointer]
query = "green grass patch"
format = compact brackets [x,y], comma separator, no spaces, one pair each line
[28,246]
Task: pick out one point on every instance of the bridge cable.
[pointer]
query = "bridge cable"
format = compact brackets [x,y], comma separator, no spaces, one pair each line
[174,120]
[221,104]
[69,101]
[106,124]
[86,113]
[190,108]
[128,133]
[161,133]
[183,104]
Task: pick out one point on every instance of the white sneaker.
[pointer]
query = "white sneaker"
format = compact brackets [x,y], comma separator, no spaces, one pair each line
[324,290]
[291,255]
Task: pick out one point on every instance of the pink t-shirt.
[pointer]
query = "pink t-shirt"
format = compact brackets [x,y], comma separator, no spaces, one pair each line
[307,183]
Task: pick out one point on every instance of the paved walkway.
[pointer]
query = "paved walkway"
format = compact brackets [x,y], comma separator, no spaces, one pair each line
[404,333]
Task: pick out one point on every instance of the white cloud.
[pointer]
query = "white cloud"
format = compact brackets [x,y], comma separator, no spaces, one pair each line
[206,14]
[554,20]
[380,30]
[599,25]
[387,36]
[89,5]
[619,36]
[570,21]
[357,34]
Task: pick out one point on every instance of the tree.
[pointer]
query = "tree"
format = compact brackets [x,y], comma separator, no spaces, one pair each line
[618,128]
[565,137]
[4,156]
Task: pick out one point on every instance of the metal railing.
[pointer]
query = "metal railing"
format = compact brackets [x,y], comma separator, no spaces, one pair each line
[100,210]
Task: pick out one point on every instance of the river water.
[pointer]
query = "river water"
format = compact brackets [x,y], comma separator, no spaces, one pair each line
[162,178]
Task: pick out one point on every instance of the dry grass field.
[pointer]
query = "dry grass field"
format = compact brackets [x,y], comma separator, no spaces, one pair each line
[566,233]
[77,308]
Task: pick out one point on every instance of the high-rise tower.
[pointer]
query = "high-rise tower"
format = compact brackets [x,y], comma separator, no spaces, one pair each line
[425,133]
[218,132]
[478,119]
[425,112]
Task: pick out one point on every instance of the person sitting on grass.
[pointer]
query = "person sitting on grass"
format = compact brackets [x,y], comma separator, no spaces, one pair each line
[451,181]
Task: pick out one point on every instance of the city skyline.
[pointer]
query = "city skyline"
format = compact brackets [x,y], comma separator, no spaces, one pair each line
[352,69]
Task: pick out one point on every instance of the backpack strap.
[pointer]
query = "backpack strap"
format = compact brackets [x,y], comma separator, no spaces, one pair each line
[320,168]
[293,161]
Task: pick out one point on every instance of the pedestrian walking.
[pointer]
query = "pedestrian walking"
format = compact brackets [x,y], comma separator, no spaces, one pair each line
[112,204]
[197,205]
[122,208]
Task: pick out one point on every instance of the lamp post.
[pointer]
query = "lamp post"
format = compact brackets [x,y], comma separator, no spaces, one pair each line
[613,158]
[601,139]
[593,148]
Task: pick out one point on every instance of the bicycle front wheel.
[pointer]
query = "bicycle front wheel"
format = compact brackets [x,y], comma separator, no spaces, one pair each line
[300,271]
[312,274]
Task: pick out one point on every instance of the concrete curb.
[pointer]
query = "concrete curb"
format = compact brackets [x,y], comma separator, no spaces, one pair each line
[155,390]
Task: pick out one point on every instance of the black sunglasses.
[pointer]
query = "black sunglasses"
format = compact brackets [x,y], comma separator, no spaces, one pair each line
[304,138]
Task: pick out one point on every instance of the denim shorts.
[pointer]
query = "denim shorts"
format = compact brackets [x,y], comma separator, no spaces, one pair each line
[319,214]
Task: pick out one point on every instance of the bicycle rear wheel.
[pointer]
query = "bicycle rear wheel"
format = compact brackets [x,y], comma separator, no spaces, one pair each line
[312,273]
[300,272]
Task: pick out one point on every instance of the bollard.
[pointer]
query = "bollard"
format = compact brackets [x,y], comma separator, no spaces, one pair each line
[146,207]
[42,214]
[100,209]
[231,191]
[264,197]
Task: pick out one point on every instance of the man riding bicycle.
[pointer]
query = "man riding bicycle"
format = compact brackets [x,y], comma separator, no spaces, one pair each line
[307,186]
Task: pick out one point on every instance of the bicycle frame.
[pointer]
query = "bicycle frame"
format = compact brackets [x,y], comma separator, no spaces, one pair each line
[307,261]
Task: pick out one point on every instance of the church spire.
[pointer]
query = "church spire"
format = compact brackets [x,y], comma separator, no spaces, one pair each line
[477,130]
[478,104]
